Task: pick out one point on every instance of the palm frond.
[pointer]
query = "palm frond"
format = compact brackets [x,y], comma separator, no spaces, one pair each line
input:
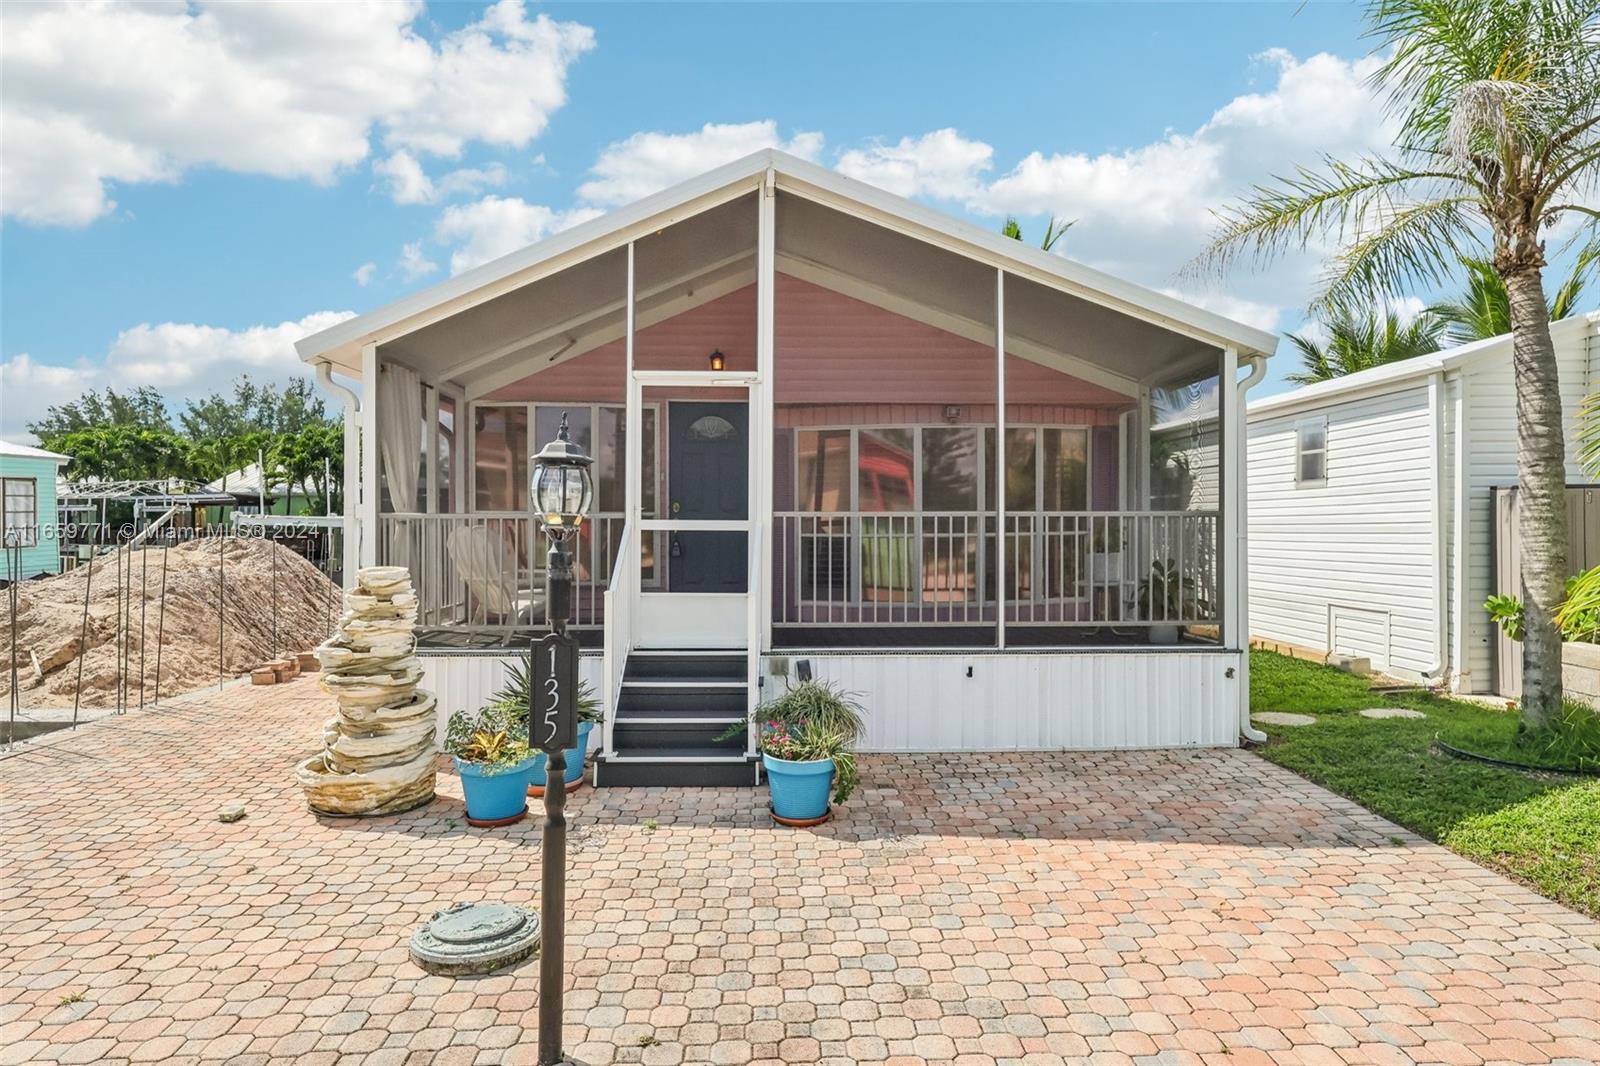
[1421,242]
[1342,199]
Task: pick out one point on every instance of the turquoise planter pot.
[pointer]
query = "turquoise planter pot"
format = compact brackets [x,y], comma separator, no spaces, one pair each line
[800,790]
[575,757]
[492,796]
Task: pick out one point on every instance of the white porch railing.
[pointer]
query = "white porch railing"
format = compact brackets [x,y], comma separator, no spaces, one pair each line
[618,631]
[937,568]
[485,571]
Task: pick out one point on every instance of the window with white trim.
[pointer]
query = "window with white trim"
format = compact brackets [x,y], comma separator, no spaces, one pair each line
[19,511]
[1311,452]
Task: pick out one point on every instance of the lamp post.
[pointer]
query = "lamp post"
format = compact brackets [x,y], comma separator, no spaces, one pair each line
[562,489]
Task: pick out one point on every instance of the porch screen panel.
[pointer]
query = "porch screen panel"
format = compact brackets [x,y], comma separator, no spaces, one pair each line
[886,376]
[1176,553]
[694,313]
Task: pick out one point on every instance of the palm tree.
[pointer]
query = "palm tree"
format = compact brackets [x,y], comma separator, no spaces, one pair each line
[1054,230]
[1484,309]
[1362,340]
[1498,106]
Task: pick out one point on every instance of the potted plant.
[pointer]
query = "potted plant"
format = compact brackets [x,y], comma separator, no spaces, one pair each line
[1169,598]
[513,697]
[490,749]
[804,764]
[806,743]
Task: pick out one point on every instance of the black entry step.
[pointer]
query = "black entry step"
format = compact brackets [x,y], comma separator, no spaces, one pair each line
[671,711]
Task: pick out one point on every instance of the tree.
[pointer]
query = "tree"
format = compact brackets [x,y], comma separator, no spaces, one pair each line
[143,407]
[1054,230]
[1360,340]
[1498,110]
[125,453]
[304,458]
[1484,309]
[255,408]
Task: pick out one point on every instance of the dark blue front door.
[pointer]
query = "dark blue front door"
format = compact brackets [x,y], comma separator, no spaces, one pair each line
[708,463]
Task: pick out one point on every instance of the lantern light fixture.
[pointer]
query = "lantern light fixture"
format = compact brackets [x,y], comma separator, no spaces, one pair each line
[561,484]
[718,361]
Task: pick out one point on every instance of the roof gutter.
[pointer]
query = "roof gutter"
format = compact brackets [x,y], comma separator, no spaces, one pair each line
[350,476]
[1258,370]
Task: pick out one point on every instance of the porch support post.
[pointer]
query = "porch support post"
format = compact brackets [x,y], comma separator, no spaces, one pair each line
[764,397]
[367,525]
[1000,458]
[1231,438]
[633,493]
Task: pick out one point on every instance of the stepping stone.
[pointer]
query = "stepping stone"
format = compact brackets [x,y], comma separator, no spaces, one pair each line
[1283,718]
[1391,712]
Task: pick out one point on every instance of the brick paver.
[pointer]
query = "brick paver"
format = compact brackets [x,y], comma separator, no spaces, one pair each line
[1197,906]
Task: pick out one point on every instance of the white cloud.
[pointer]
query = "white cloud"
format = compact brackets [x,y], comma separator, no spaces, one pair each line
[1144,211]
[99,94]
[408,183]
[414,263]
[493,226]
[182,359]
[1250,312]
[942,165]
[644,163]
[363,273]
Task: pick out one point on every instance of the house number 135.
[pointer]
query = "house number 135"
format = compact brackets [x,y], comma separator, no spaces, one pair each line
[552,723]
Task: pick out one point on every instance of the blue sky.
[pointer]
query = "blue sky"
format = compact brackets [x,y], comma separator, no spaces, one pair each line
[178,221]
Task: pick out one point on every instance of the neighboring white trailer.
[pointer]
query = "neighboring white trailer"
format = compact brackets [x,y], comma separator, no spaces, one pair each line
[1358,487]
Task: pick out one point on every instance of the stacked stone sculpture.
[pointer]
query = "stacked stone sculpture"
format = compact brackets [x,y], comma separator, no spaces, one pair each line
[379,755]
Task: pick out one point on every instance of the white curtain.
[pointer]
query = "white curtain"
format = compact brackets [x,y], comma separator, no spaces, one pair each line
[400,433]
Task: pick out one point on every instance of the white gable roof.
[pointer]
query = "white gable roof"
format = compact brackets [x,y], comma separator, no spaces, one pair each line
[25,451]
[341,344]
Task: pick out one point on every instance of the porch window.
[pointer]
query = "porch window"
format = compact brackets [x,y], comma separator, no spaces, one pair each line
[886,493]
[500,458]
[19,508]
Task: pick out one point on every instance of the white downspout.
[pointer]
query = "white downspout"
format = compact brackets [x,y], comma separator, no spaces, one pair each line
[1258,370]
[1441,579]
[352,472]
[1463,491]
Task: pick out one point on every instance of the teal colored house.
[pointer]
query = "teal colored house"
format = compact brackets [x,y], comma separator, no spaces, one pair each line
[28,510]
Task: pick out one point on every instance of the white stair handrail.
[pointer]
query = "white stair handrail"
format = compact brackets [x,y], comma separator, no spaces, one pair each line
[753,632]
[619,597]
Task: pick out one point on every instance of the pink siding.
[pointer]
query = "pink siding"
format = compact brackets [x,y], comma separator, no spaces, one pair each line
[830,348]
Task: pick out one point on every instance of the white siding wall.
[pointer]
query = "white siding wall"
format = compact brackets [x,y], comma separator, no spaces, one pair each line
[1492,461]
[1352,556]
[1012,702]
[1042,702]
[467,681]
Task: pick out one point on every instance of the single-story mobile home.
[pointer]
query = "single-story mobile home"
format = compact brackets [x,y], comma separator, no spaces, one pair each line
[1373,508]
[28,511]
[830,425]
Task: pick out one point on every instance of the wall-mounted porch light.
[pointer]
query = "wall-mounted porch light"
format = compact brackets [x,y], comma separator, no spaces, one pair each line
[717,360]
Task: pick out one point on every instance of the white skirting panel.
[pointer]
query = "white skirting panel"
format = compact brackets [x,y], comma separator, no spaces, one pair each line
[1034,702]
[1012,702]
[467,681]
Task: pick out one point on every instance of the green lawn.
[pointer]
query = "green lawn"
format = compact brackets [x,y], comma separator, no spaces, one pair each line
[1539,827]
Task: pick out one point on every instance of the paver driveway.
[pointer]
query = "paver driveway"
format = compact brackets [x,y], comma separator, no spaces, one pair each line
[1152,907]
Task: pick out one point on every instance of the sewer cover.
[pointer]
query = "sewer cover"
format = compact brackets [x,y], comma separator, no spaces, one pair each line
[475,938]
[1283,718]
[1391,712]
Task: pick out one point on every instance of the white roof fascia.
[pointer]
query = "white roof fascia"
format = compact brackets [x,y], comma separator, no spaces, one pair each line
[340,343]
[1407,372]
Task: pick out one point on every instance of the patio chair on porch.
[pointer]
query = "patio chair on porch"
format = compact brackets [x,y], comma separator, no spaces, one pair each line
[488,566]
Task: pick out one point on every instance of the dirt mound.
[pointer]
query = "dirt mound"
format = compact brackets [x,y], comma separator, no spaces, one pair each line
[50,621]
